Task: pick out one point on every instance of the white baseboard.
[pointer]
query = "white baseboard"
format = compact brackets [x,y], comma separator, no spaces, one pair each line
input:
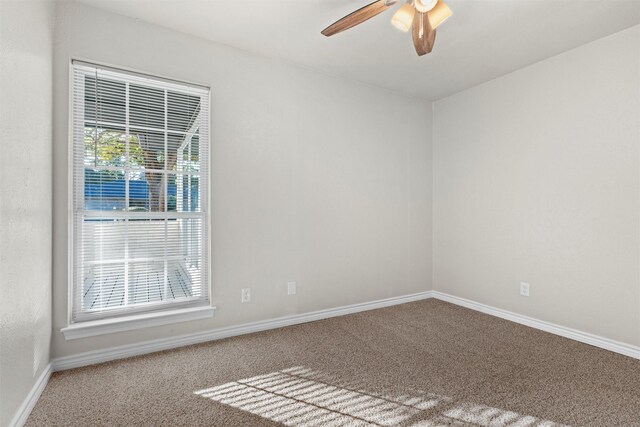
[32,398]
[584,337]
[120,352]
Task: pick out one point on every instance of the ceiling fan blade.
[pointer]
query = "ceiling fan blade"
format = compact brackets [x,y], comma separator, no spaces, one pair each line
[357,17]
[424,36]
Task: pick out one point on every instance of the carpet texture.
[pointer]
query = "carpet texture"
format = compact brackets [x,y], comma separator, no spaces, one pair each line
[427,363]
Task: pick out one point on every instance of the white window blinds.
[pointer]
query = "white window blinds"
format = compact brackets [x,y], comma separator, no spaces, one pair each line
[140,188]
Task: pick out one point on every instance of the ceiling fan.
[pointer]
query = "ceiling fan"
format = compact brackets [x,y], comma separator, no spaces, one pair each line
[423,15]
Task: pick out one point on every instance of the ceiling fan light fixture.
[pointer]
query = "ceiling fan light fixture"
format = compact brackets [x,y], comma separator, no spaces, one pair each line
[425,6]
[403,18]
[438,14]
[423,15]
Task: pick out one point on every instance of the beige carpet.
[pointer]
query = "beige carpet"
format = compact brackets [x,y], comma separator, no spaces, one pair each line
[426,363]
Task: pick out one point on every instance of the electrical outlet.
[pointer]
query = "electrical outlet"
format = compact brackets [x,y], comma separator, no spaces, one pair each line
[524,289]
[291,288]
[246,295]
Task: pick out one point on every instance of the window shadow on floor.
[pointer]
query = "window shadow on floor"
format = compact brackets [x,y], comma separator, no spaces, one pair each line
[303,397]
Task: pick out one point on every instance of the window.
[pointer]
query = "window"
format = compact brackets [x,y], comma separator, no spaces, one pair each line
[140,188]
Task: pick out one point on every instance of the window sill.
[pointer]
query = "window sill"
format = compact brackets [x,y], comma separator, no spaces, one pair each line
[138,321]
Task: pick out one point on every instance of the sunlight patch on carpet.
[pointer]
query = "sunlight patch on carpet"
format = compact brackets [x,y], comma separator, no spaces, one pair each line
[302,397]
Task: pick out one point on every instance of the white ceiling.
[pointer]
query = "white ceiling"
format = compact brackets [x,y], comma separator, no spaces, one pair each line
[481,41]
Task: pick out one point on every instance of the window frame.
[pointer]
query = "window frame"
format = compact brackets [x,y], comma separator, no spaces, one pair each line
[149,314]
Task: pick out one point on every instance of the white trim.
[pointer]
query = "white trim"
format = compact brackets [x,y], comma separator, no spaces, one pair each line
[70,193]
[138,321]
[206,193]
[583,337]
[120,352]
[20,418]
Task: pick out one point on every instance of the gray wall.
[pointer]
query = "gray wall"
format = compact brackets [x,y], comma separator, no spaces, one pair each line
[537,179]
[315,179]
[26,41]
